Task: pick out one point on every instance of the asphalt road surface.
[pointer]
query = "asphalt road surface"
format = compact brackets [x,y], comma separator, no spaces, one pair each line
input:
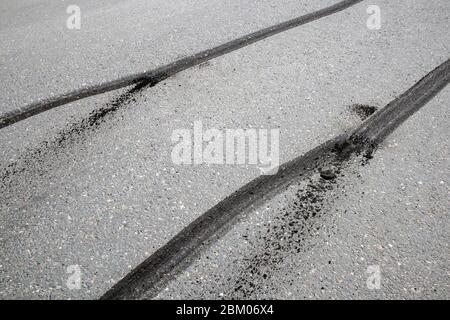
[92,184]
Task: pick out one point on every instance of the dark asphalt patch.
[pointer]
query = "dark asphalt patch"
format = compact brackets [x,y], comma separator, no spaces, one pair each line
[363,111]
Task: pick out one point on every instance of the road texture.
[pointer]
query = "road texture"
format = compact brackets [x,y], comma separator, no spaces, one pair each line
[41,57]
[92,184]
[320,238]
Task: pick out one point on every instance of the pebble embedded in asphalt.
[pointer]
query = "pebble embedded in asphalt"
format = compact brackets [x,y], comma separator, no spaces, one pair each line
[329,173]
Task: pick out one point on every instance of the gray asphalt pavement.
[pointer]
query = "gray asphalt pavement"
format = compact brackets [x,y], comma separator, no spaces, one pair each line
[387,215]
[99,189]
[42,57]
